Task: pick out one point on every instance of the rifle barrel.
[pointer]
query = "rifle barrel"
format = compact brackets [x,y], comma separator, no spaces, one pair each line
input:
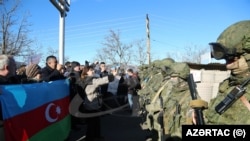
[199,117]
[192,86]
[193,92]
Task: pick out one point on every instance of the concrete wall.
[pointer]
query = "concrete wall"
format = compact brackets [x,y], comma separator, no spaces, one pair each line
[208,81]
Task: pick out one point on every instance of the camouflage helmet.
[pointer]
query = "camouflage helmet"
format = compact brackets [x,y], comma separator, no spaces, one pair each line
[163,63]
[143,67]
[156,63]
[180,69]
[233,40]
[167,61]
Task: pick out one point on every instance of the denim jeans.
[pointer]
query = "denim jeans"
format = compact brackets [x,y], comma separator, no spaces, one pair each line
[130,100]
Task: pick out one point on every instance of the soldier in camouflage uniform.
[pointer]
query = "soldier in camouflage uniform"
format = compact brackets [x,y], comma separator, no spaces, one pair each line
[151,76]
[233,45]
[167,101]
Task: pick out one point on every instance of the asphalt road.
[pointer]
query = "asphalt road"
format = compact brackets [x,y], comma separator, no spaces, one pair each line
[122,128]
[119,126]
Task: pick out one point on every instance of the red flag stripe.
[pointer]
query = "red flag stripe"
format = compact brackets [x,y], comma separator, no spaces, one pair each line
[27,124]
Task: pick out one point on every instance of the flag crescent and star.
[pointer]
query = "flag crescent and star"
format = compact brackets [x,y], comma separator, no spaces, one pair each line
[47,112]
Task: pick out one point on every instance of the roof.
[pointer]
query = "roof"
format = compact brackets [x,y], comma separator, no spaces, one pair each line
[211,66]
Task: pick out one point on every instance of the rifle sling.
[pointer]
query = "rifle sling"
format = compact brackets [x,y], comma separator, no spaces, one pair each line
[159,92]
[245,102]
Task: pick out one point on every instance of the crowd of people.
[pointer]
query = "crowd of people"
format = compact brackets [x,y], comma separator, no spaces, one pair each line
[93,82]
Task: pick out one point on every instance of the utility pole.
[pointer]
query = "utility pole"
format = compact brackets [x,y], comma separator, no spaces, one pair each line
[148,39]
[62,6]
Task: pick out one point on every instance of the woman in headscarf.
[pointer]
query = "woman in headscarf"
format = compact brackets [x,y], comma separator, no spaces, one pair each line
[33,74]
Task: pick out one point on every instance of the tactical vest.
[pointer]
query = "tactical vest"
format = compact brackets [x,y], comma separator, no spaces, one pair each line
[176,107]
[175,99]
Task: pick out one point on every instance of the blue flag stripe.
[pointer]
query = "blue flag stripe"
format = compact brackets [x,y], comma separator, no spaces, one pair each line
[22,98]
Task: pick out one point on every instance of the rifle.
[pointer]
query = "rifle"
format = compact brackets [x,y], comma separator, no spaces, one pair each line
[193,92]
[178,109]
[161,121]
[177,115]
[233,96]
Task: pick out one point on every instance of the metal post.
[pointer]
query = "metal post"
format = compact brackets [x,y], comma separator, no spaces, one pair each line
[63,7]
[61,37]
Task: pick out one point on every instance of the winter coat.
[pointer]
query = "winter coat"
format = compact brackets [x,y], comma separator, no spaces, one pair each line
[49,74]
[132,83]
[92,97]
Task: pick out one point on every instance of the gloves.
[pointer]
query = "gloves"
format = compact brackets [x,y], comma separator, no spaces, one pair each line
[241,66]
[198,104]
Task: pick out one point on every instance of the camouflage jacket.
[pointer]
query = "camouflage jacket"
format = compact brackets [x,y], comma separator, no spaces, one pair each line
[237,113]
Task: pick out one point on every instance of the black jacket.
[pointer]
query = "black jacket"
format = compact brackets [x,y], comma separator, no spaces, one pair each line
[10,80]
[132,83]
[49,74]
[104,88]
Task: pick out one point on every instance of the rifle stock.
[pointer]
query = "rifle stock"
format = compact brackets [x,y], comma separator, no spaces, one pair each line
[197,110]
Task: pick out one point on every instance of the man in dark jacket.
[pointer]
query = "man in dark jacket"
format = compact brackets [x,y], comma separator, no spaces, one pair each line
[103,72]
[74,76]
[52,70]
[132,82]
[75,70]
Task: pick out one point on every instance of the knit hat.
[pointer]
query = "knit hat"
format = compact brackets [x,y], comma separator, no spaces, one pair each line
[32,70]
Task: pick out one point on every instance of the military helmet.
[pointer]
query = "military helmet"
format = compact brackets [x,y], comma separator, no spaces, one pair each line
[162,63]
[180,69]
[234,40]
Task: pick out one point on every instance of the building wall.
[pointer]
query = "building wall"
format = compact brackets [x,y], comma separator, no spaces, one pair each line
[208,81]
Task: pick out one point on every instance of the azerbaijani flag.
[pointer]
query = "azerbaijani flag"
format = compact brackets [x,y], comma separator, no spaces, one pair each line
[37,111]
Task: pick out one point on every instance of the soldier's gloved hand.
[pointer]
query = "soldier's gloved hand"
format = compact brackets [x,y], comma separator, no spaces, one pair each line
[239,66]
[198,103]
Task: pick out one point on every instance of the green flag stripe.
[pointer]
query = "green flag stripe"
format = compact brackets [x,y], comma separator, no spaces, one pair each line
[56,132]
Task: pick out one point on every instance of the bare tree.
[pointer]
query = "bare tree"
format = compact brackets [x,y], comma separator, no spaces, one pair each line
[140,55]
[114,51]
[192,54]
[52,51]
[14,31]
